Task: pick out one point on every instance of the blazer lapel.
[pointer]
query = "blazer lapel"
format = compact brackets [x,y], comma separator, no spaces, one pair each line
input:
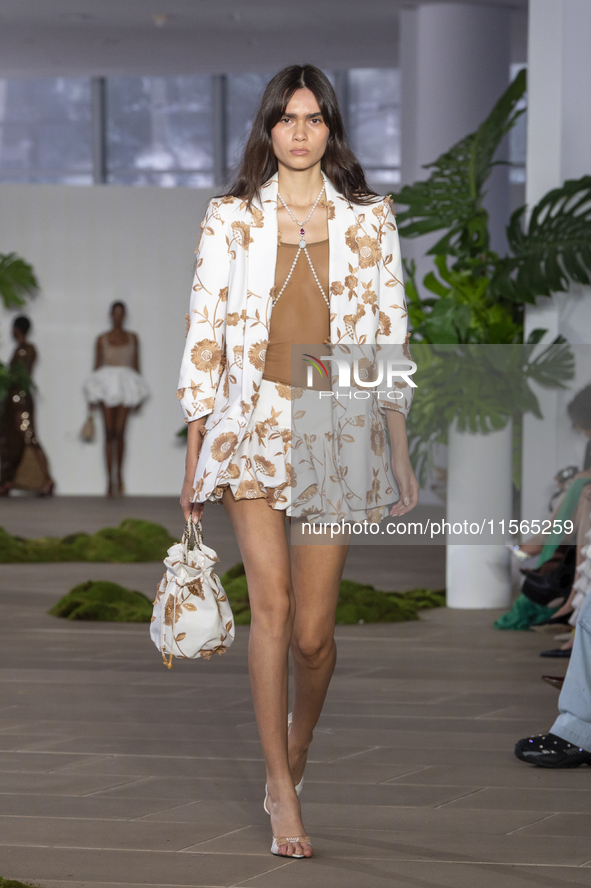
[262,257]
[338,261]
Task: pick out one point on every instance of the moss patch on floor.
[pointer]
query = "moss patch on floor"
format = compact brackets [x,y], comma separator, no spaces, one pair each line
[11,883]
[358,603]
[105,602]
[133,541]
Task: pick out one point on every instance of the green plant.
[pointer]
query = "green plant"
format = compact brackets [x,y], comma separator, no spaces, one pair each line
[12,883]
[358,602]
[133,541]
[17,283]
[481,388]
[477,295]
[103,601]
[17,280]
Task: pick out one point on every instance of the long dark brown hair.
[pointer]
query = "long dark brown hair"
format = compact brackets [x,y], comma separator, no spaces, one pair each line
[339,163]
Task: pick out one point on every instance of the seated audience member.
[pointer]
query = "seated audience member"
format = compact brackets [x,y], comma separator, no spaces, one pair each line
[568,743]
[575,506]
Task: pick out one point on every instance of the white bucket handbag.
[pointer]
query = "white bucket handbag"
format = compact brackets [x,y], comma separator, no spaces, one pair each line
[192,616]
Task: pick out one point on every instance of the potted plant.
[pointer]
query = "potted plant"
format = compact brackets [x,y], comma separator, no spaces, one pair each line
[474,303]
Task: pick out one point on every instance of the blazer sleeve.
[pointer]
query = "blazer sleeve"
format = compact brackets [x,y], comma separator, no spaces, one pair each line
[205,348]
[393,320]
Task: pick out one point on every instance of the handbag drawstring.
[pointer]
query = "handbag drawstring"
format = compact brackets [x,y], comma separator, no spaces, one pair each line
[193,529]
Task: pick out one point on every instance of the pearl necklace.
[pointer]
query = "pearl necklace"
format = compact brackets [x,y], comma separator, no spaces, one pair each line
[302,247]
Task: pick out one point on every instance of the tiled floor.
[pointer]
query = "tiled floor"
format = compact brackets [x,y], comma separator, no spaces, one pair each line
[117,772]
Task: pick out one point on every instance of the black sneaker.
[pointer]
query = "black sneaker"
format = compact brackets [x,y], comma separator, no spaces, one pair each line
[550,751]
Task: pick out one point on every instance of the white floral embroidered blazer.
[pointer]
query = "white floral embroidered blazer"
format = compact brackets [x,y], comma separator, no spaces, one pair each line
[232,300]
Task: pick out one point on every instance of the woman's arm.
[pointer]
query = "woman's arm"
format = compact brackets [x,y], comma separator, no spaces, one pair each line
[204,354]
[136,354]
[401,465]
[98,353]
[194,442]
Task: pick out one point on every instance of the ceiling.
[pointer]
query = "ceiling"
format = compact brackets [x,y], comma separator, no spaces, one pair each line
[71,37]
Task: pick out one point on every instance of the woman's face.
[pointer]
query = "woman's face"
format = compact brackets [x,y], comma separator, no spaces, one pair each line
[300,137]
[118,314]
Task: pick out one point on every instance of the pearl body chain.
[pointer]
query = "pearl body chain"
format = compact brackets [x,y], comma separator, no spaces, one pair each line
[302,248]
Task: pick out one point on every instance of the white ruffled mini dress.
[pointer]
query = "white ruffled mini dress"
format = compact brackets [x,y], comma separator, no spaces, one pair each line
[116,383]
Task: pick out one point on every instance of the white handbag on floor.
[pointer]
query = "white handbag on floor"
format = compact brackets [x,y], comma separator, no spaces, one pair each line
[192,615]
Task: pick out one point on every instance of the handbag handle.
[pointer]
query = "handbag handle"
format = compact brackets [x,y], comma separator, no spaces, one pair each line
[192,536]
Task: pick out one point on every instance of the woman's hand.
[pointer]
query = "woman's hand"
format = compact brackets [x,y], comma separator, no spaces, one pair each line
[189,507]
[401,466]
[194,442]
[407,484]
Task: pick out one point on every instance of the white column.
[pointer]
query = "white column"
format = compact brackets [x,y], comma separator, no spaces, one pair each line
[454,60]
[559,148]
[479,491]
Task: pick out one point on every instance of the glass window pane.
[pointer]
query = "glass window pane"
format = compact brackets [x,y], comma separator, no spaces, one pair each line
[518,137]
[45,130]
[374,121]
[159,130]
[244,93]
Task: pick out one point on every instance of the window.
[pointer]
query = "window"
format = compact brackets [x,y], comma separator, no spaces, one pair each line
[374,121]
[159,131]
[172,131]
[243,94]
[45,130]
[518,138]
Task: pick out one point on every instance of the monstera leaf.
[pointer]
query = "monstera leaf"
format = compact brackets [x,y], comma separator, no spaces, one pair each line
[481,387]
[17,280]
[451,197]
[554,249]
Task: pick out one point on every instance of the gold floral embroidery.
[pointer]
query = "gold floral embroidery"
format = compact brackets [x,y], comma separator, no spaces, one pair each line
[351,238]
[369,251]
[257,354]
[223,294]
[195,587]
[238,354]
[328,205]
[187,324]
[233,471]
[289,392]
[207,655]
[384,324]
[258,217]
[336,288]
[224,446]
[264,465]
[351,283]
[206,355]
[377,439]
[242,234]
[249,490]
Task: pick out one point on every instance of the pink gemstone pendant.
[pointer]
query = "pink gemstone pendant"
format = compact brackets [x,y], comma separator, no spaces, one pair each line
[302,232]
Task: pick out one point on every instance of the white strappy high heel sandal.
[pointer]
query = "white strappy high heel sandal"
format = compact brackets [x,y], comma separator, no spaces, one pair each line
[277,842]
[298,787]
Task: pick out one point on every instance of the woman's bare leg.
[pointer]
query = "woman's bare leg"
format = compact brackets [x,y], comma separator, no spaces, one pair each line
[110,434]
[260,531]
[316,575]
[121,414]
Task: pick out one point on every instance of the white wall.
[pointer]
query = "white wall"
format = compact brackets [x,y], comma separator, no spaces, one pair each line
[90,246]
[558,138]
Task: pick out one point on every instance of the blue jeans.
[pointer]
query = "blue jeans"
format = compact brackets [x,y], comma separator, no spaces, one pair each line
[574,722]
